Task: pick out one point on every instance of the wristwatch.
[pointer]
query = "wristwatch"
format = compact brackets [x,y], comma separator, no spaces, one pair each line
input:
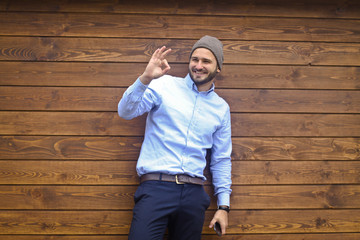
[225,208]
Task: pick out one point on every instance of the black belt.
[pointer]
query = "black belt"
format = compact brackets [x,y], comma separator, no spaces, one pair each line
[179,179]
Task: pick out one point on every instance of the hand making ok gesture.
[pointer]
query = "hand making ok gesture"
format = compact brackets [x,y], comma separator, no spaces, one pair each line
[157,66]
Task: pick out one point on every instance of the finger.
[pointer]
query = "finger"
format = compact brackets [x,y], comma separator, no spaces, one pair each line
[160,51]
[167,66]
[223,228]
[156,54]
[212,223]
[164,53]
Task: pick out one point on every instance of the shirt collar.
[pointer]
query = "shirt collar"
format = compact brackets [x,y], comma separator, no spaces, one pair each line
[191,85]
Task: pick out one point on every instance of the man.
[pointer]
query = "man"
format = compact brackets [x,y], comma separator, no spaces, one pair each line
[185,118]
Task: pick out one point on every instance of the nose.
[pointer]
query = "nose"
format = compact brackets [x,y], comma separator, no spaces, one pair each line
[199,65]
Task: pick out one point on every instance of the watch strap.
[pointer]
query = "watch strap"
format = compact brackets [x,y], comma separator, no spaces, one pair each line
[225,208]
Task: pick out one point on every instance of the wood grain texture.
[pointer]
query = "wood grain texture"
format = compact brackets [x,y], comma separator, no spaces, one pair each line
[29,172]
[65,222]
[140,50]
[66,237]
[106,99]
[128,148]
[306,236]
[276,8]
[60,99]
[67,197]
[121,197]
[69,123]
[296,148]
[294,221]
[124,74]
[109,123]
[155,26]
[320,125]
[71,147]
[117,222]
[69,172]
[300,236]
[291,76]
[291,101]
[295,197]
[295,172]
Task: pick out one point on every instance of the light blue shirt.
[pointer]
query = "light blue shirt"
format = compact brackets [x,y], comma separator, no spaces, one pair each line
[182,123]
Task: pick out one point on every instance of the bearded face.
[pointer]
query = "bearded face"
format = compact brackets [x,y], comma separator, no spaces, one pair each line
[203,68]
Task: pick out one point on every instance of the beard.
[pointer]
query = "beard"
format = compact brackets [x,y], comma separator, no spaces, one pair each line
[209,78]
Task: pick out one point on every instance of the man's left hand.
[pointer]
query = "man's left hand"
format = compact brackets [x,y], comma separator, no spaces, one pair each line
[221,217]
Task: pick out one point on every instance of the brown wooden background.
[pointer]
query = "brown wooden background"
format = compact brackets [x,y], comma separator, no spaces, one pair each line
[291,77]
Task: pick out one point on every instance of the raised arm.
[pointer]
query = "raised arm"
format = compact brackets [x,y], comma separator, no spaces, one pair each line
[133,103]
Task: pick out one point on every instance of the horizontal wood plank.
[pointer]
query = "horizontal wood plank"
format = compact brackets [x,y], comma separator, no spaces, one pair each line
[106,99]
[124,74]
[295,172]
[275,8]
[155,26]
[109,123]
[296,148]
[67,197]
[128,148]
[70,123]
[60,99]
[292,221]
[290,101]
[117,222]
[320,125]
[140,50]
[30,172]
[300,236]
[66,237]
[65,222]
[72,73]
[295,197]
[69,172]
[121,197]
[71,147]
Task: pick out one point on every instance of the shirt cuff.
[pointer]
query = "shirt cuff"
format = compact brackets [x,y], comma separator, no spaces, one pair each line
[137,89]
[138,83]
[223,199]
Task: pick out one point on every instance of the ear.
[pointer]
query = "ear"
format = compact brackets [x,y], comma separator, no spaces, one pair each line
[218,70]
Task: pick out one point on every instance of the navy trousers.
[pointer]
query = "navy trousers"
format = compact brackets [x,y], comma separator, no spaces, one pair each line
[160,205]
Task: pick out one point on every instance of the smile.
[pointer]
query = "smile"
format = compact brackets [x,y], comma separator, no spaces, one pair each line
[197,72]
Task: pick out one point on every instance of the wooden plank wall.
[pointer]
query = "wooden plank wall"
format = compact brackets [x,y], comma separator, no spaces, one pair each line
[291,77]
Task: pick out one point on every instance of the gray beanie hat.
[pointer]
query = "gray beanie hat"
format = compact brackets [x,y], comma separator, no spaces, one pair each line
[214,45]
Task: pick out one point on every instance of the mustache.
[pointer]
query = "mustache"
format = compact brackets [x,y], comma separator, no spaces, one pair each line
[194,69]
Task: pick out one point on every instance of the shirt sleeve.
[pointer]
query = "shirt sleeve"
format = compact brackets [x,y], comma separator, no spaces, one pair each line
[135,101]
[220,165]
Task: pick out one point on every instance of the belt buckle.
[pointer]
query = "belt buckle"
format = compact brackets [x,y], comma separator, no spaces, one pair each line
[177,180]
